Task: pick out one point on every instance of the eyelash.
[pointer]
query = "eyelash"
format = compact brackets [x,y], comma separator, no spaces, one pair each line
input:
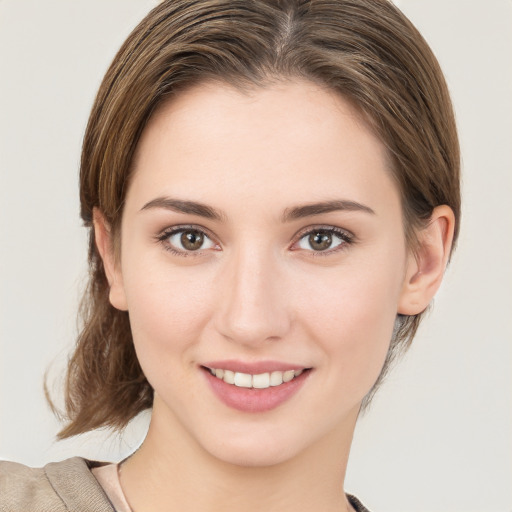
[345,237]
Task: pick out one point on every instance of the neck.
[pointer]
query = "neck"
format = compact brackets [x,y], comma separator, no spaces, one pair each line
[171,471]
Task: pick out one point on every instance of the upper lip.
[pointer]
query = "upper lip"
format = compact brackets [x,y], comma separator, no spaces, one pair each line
[253,368]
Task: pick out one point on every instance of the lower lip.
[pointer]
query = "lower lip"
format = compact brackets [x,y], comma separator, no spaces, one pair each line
[255,400]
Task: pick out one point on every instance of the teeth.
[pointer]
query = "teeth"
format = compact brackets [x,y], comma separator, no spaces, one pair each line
[260,381]
[276,378]
[229,377]
[288,376]
[243,380]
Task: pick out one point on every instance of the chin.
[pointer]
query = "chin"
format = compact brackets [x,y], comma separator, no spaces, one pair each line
[267,443]
[253,454]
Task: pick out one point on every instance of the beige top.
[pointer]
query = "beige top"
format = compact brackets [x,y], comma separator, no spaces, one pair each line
[72,485]
[108,477]
[66,486]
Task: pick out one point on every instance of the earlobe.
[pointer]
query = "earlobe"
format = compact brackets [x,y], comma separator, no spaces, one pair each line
[105,246]
[428,262]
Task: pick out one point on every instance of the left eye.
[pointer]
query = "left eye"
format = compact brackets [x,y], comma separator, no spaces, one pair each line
[321,240]
[190,240]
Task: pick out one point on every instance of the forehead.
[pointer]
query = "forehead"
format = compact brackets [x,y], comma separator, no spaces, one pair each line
[292,139]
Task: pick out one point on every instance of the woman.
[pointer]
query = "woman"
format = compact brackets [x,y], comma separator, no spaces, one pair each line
[272,193]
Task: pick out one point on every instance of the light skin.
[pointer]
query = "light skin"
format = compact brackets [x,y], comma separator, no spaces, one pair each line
[303,260]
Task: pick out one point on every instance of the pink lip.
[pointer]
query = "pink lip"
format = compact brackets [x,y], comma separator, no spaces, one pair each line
[254,368]
[253,400]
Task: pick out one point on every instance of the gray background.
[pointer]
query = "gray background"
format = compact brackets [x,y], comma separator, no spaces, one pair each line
[438,437]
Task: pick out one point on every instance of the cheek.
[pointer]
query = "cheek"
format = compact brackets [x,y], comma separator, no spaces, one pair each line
[353,322]
[168,310]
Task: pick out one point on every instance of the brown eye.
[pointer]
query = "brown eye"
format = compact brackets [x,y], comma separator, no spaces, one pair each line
[320,241]
[324,240]
[187,240]
[192,240]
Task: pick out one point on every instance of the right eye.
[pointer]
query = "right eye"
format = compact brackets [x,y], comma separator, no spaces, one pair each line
[186,240]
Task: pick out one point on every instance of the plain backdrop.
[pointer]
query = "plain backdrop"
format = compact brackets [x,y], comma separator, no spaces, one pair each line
[438,437]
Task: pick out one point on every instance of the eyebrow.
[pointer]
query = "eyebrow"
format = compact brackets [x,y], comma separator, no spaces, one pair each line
[181,206]
[308,210]
[290,214]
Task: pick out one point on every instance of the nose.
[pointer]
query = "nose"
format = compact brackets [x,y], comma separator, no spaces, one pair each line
[252,307]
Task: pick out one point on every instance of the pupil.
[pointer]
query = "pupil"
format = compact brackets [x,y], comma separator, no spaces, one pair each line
[320,241]
[192,240]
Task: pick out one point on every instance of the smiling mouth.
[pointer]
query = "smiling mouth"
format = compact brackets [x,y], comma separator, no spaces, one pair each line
[258,381]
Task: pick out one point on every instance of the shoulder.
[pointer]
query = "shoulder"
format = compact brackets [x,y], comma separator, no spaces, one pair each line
[65,486]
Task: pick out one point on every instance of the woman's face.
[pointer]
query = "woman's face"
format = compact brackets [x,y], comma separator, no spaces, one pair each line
[262,234]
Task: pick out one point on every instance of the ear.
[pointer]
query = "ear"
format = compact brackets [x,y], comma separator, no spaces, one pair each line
[426,264]
[112,266]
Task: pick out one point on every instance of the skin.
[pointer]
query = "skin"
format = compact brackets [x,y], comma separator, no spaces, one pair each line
[257,290]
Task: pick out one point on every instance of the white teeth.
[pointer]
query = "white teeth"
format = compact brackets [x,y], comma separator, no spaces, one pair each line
[276,378]
[288,376]
[229,377]
[259,381]
[243,380]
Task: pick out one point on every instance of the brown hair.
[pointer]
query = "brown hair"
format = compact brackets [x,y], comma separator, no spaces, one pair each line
[367,50]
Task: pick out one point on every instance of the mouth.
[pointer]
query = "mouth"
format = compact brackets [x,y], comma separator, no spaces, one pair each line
[255,381]
[254,390]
